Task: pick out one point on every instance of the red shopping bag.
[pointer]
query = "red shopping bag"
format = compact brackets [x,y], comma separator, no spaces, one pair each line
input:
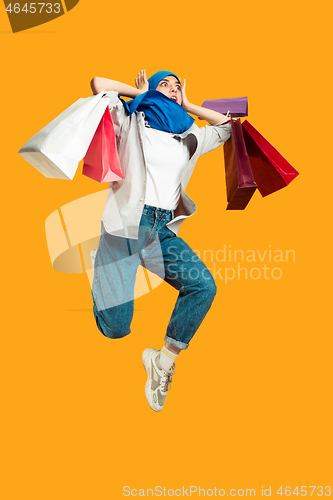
[101,162]
[270,169]
[239,177]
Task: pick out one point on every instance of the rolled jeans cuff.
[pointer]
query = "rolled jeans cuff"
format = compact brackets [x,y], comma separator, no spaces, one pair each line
[176,343]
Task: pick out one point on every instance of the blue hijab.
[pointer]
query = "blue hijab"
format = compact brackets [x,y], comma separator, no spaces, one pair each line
[161,112]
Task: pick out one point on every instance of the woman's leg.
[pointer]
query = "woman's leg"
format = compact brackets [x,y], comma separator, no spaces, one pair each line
[115,268]
[174,261]
[172,348]
[187,273]
[113,286]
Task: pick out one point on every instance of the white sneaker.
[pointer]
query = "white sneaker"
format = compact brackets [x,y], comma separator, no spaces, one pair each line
[158,382]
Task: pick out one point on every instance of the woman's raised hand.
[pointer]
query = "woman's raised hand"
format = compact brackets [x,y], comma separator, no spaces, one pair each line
[185,101]
[212,117]
[141,81]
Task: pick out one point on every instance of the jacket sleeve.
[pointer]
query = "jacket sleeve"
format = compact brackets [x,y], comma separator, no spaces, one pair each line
[212,136]
[119,116]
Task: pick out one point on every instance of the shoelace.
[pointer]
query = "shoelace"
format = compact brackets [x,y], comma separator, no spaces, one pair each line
[167,379]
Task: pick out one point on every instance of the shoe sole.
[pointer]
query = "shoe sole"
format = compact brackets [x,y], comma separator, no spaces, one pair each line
[146,360]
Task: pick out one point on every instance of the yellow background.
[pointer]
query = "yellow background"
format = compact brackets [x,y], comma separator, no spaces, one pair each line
[251,401]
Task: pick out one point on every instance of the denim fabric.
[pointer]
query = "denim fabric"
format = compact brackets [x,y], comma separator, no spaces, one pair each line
[163,253]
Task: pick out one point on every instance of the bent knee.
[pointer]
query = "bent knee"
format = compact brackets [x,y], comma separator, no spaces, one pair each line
[211,288]
[111,329]
[114,334]
[207,282]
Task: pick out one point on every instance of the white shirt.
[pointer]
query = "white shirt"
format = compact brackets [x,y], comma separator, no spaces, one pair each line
[166,156]
[126,198]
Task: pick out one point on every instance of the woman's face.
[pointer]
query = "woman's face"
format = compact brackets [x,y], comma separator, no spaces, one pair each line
[171,87]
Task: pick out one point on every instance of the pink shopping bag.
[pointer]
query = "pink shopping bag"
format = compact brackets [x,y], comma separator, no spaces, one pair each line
[101,162]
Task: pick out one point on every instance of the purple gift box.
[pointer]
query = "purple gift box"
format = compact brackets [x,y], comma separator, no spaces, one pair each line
[238,106]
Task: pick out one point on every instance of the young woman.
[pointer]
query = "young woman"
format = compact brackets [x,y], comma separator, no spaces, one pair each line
[158,145]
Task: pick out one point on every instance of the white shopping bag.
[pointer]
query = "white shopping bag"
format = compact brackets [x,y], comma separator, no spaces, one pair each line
[57,149]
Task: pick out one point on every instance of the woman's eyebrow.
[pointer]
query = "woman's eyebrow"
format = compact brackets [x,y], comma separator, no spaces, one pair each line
[168,81]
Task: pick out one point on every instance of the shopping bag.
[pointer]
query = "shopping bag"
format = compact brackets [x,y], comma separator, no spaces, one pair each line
[271,170]
[239,177]
[237,106]
[56,150]
[101,162]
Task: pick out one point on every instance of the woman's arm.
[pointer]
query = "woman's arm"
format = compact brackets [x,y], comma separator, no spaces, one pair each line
[99,84]
[211,116]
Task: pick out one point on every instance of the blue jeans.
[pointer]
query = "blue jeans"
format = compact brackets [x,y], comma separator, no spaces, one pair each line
[162,252]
